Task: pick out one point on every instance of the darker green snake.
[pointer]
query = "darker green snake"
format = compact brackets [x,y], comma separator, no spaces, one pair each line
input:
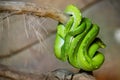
[77,41]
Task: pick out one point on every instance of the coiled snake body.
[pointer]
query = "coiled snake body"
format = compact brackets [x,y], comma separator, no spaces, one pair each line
[76,41]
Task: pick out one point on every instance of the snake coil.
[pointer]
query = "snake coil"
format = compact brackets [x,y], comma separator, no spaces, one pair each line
[76,41]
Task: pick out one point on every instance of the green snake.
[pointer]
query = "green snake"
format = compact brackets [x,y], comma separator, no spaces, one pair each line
[77,42]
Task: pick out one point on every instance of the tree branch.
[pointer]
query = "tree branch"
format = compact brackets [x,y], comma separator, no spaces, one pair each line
[30,8]
[60,74]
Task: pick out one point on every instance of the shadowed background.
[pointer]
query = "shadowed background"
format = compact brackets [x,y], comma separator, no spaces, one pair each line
[39,58]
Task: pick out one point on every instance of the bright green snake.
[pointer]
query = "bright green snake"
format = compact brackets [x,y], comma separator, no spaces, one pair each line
[76,41]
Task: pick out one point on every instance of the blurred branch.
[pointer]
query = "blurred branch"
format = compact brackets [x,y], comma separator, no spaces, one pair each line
[16,75]
[29,8]
[13,53]
[60,74]
[16,7]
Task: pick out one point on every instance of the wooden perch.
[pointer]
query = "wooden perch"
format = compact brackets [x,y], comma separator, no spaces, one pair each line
[30,8]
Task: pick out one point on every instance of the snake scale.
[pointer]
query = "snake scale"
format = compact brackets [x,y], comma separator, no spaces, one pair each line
[77,41]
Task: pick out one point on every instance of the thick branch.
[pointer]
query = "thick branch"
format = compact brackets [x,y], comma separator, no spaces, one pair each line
[30,8]
[60,74]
